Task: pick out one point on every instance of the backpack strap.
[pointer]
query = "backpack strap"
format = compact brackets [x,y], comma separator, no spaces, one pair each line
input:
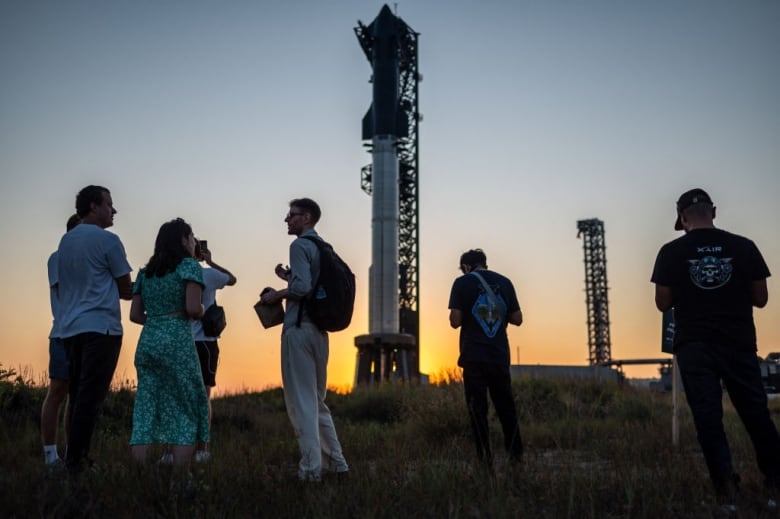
[488,291]
[317,242]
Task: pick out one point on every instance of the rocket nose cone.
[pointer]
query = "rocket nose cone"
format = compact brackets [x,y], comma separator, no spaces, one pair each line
[385,18]
[385,11]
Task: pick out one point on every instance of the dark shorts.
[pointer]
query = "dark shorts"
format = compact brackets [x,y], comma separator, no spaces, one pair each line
[208,354]
[58,360]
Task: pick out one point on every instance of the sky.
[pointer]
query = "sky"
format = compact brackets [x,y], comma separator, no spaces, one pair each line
[536,114]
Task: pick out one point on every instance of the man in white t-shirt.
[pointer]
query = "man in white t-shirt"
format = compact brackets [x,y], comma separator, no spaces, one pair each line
[215,277]
[93,276]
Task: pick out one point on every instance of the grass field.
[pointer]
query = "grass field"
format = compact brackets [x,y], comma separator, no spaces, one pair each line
[593,450]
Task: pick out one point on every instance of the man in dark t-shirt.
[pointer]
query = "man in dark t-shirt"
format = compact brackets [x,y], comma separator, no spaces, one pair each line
[713,279]
[482,303]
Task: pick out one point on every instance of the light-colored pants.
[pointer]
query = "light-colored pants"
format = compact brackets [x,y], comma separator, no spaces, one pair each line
[304,377]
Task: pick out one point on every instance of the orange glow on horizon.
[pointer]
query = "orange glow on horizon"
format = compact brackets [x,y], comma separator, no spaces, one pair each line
[250,355]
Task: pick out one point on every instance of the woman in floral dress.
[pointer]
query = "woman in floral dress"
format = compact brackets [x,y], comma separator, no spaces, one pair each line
[171,406]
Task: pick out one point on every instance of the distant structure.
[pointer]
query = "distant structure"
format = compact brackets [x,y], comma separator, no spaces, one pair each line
[391,348]
[770,372]
[599,343]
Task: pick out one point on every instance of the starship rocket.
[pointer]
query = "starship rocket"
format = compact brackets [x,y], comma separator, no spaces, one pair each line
[384,123]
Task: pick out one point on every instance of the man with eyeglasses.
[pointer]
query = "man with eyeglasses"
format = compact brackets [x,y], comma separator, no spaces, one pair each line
[305,350]
[482,304]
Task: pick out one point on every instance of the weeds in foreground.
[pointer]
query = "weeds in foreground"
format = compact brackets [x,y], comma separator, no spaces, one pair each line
[592,450]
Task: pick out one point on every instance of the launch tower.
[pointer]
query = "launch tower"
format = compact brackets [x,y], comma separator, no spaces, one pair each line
[391,348]
[599,344]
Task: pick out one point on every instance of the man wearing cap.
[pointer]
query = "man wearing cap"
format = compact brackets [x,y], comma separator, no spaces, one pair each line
[713,279]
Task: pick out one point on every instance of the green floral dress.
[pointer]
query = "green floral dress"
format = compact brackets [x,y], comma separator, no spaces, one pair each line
[171,405]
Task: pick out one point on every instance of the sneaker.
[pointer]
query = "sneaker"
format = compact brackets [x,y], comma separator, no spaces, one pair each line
[725,510]
[57,465]
[309,477]
[202,456]
[336,468]
[771,504]
[166,459]
[341,473]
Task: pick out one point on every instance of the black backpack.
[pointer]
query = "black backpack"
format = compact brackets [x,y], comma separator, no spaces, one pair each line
[332,298]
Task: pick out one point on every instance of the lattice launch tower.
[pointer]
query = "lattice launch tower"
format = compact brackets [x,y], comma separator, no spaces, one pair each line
[599,343]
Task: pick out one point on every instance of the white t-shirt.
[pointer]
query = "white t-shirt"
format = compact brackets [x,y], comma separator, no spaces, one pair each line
[213,280]
[89,261]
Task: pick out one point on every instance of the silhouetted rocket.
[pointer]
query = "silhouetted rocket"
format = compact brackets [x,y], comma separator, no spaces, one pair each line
[384,123]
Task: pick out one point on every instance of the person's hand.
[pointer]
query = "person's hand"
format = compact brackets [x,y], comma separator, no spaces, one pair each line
[282,272]
[206,255]
[269,296]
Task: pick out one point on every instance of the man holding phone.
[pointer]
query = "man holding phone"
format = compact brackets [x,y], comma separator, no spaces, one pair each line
[215,277]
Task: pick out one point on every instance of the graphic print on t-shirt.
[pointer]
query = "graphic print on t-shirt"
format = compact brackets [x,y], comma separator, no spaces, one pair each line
[710,272]
[489,316]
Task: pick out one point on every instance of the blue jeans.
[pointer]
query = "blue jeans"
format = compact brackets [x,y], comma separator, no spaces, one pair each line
[478,379]
[702,367]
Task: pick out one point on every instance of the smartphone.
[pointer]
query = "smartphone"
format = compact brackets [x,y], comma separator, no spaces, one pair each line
[204,245]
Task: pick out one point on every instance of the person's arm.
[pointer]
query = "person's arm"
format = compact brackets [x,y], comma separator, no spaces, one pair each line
[516,317]
[759,293]
[138,310]
[663,297]
[207,258]
[456,317]
[125,286]
[193,303]
[299,284]
[271,296]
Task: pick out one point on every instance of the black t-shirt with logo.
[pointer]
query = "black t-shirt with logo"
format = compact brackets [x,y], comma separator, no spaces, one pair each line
[483,329]
[710,272]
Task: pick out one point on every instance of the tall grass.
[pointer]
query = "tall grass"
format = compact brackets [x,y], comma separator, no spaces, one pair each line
[592,450]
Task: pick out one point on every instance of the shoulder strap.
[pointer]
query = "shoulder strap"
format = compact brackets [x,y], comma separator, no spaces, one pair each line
[318,243]
[488,290]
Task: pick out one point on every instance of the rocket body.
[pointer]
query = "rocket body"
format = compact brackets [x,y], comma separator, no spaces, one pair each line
[383,124]
[383,273]
[385,352]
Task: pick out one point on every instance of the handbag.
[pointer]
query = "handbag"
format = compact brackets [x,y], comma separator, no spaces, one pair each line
[213,320]
[270,315]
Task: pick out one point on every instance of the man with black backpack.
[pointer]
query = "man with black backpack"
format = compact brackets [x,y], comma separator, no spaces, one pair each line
[305,339]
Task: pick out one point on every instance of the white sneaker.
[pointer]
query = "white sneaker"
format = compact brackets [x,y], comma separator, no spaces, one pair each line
[311,477]
[202,456]
[55,465]
[726,511]
[166,459]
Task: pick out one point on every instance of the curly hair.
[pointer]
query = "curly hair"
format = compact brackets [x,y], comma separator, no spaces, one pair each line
[88,196]
[168,248]
[474,258]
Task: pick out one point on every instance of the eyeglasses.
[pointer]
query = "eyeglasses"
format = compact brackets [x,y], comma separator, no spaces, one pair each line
[290,215]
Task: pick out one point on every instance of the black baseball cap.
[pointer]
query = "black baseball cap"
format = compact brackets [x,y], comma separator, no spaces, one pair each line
[687,199]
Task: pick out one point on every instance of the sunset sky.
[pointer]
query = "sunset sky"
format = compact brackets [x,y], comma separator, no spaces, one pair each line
[536,114]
